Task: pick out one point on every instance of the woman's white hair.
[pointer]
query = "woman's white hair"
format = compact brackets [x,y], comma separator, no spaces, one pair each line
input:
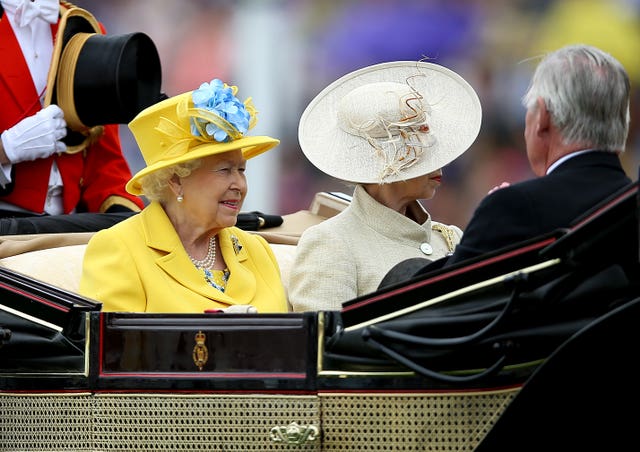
[587,93]
[155,185]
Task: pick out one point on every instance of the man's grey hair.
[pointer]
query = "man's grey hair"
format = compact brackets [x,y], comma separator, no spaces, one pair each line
[587,93]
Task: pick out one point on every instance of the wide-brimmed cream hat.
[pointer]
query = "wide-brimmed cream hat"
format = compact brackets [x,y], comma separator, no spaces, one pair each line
[389,122]
[195,124]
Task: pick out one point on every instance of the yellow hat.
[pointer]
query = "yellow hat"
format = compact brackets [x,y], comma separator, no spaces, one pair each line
[192,125]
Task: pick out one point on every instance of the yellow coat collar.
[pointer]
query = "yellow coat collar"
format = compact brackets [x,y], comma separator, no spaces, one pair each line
[174,260]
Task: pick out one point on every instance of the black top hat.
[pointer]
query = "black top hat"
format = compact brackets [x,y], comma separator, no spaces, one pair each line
[98,79]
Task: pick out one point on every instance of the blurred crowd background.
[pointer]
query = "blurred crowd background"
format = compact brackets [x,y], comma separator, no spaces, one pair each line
[283,52]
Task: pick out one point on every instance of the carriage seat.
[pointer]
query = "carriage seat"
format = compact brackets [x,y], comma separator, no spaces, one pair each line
[61,266]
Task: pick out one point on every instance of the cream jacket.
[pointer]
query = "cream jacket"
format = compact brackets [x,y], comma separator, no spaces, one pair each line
[348,255]
[140,265]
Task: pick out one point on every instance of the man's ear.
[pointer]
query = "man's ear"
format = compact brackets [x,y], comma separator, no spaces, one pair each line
[543,117]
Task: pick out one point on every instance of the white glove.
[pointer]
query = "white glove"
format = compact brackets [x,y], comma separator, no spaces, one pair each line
[37,136]
[240,309]
[234,309]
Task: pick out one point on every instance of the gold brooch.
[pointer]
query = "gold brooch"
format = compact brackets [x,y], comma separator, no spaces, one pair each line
[236,244]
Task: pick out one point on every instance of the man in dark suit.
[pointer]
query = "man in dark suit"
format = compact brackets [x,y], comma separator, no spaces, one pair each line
[576,127]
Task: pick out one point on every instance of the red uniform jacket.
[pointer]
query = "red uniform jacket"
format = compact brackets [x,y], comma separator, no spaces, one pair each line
[93,179]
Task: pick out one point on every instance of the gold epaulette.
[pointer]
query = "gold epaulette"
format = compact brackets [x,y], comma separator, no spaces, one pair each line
[116,200]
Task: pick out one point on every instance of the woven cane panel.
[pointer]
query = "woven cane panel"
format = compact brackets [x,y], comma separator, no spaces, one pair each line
[45,422]
[185,422]
[350,422]
[420,422]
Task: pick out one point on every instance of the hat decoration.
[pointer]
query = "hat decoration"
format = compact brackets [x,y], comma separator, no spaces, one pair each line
[231,118]
[390,122]
[209,120]
[399,140]
[217,115]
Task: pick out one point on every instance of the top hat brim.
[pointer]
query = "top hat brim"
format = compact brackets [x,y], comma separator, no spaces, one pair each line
[98,79]
[72,21]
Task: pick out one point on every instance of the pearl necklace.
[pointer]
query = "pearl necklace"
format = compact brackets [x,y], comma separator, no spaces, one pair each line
[210,259]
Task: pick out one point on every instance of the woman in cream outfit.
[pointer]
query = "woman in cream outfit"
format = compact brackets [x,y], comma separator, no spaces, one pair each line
[389,129]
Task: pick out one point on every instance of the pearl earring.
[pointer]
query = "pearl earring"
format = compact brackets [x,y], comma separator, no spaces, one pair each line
[179,198]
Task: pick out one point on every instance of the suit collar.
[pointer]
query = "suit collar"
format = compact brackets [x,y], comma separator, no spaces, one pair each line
[564,158]
[585,158]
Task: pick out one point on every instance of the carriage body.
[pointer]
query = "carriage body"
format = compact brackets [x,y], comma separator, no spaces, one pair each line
[73,377]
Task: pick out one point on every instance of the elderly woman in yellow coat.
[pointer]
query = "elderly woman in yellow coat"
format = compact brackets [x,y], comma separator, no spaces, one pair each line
[182,253]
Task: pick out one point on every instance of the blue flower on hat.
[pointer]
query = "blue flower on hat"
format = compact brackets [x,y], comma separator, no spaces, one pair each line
[219,98]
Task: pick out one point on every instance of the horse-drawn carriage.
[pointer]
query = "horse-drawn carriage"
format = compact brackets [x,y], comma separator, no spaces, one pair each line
[474,357]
